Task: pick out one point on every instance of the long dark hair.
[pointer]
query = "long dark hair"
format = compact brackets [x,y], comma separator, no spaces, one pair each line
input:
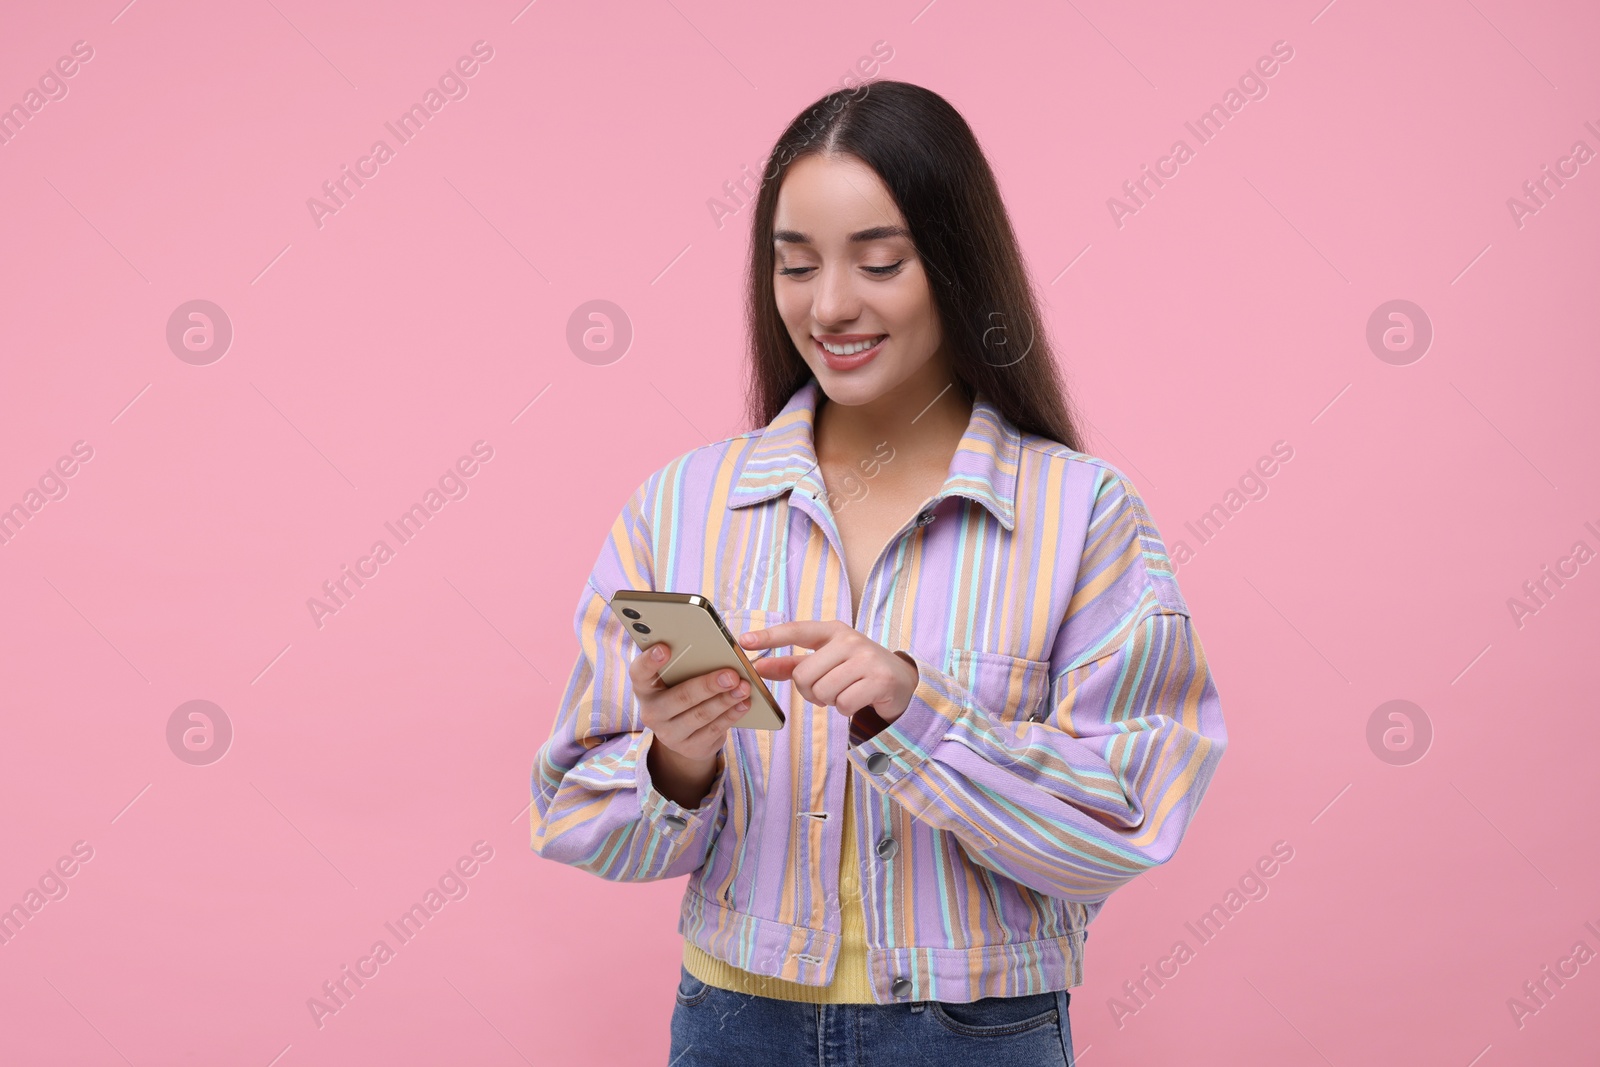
[927,156]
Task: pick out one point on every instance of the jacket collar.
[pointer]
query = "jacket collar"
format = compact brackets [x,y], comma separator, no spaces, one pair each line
[984,468]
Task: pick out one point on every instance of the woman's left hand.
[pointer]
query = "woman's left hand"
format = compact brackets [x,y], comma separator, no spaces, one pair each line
[847,669]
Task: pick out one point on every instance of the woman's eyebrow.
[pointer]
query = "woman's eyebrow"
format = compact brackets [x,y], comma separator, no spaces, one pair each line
[876,233]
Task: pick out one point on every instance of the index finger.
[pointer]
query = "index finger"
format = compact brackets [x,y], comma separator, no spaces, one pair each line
[808,633]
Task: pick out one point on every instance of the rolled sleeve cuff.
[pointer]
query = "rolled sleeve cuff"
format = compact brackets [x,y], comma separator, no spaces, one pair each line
[902,747]
[897,757]
[671,820]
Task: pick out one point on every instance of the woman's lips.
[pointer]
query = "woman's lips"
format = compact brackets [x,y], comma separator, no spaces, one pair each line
[852,361]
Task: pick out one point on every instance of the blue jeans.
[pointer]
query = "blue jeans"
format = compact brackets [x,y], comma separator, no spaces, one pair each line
[713,1027]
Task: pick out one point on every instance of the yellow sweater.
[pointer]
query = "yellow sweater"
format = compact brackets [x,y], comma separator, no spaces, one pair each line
[850,982]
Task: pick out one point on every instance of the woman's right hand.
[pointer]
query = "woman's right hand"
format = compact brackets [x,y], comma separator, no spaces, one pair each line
[691,719]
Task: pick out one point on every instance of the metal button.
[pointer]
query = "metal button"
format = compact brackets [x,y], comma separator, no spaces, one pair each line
[924,518]
[888,847]
[901,987]
[676,821]
[878,762]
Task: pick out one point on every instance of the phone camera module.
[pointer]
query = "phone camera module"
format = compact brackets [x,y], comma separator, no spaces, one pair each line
[630,613]
[641,627]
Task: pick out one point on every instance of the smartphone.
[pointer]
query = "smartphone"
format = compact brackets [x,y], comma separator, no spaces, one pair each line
[699,642]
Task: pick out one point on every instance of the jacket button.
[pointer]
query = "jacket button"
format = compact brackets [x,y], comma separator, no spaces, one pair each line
[888,847]
[878,762]
[924,518]
[901,987]
[675,821]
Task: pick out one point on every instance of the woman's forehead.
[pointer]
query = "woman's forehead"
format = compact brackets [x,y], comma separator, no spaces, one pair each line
[834,199]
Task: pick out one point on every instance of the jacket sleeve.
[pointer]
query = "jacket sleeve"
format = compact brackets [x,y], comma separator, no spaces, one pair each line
[1105,786]
[594,805]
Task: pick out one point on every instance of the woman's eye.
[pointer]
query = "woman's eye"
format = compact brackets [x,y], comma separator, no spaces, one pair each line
[795,272]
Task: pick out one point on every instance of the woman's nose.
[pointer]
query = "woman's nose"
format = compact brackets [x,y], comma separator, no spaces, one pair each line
[835,300]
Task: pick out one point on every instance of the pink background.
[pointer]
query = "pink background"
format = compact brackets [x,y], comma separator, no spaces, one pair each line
[371,753]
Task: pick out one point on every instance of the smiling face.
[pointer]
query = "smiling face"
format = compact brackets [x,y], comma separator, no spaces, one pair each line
[849,285]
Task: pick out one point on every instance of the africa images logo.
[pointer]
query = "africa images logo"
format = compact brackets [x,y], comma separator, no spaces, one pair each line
[452,85]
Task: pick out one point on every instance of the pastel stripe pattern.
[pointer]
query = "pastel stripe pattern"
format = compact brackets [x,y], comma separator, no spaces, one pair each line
[1064,728]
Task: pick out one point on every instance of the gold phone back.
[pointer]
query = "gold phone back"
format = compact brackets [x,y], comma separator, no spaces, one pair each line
[699,646]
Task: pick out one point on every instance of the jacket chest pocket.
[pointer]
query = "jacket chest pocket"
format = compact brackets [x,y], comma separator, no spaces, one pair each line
[1010,688]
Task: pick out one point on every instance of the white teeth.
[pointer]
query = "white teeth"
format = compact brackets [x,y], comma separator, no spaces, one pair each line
[848,350]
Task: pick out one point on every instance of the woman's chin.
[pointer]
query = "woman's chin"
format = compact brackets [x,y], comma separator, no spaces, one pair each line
[849,394]
[851,388]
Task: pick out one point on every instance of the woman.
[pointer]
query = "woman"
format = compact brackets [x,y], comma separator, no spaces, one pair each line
[998,709]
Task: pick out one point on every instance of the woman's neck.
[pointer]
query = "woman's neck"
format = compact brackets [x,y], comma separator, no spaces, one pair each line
[924,417]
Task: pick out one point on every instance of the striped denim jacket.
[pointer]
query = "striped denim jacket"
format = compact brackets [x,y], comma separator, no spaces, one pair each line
[1063,729]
